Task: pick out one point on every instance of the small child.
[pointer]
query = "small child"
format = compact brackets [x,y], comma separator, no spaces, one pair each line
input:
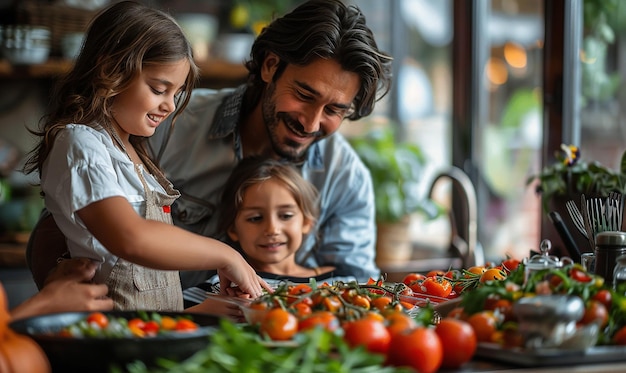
[107,196]
[267,209]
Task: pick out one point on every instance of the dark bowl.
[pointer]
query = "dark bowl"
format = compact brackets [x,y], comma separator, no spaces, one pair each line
[92,354]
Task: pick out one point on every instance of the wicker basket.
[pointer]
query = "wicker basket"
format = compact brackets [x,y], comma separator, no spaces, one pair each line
[59,19]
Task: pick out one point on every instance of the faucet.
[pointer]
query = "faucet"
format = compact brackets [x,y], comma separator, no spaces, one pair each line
[463,242]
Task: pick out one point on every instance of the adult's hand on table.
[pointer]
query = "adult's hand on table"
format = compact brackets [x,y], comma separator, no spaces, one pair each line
[79,269]
[67,289]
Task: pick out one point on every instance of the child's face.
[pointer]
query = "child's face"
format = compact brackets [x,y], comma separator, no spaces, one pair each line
[269,225]
[149,99]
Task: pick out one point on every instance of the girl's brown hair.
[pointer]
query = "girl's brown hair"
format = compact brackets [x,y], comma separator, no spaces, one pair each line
[120,41]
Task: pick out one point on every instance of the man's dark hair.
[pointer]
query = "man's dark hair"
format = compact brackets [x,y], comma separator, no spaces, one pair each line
[326,29]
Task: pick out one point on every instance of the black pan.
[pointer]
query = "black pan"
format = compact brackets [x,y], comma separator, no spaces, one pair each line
[99,354]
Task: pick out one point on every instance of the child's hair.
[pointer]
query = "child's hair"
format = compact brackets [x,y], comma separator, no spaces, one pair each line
[255,170]
[120,41]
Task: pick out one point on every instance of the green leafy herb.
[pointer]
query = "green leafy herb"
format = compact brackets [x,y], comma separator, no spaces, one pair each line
[236,349]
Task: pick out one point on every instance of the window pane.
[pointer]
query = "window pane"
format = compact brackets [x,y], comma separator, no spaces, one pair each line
[603,95]
[511,134]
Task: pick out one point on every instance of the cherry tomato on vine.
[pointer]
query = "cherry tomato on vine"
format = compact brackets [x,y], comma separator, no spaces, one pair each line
[301,309]
[412,278]
[435,273]
[279,324]
[300,289]
[437,286]
[322,319]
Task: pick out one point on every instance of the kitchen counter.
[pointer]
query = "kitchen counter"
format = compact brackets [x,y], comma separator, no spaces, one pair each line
[480,365]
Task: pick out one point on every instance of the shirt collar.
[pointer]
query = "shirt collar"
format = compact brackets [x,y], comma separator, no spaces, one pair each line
[227,114]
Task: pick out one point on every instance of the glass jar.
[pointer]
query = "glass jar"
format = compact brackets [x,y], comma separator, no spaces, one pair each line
[619,275]
[609,246]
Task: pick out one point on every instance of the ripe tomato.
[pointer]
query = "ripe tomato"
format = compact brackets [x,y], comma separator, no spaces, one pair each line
[326,302]
[367,332]
[419,348]
[620,337]
[136,327]
[484,324]
[475,270]
[437,286]
[136,323]
[458,340]
[296,291]
[168,323]
[99,319]
[361,301]
[605,297]
[301,309]
[493,274]
[435,273]
[151,328]
[279,324]
[398,322]
[300,289]
[184,325]
[595,312]
[579,275]
[418,288]
[380,303]
[323,319]
[412,277]
[509,265]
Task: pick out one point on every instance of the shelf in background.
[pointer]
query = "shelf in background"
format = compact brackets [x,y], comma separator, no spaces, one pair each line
[217,70]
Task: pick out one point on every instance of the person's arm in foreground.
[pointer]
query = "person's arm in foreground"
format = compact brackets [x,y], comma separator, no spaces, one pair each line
[163,246]
[67,289]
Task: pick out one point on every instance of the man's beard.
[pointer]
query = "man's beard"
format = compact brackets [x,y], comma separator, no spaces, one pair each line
[290,150]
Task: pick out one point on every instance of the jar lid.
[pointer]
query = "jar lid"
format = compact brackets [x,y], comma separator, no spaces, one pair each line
[611,238]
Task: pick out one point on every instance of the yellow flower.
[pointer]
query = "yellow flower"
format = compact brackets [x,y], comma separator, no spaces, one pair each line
[239,16]
[258,26]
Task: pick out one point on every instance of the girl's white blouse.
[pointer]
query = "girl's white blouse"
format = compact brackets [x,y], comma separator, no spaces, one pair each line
[84,166]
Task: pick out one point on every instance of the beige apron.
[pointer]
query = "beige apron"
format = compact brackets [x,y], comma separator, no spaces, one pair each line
[138,287]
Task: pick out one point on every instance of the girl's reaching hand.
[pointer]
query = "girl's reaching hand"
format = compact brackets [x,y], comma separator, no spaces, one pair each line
[240,273]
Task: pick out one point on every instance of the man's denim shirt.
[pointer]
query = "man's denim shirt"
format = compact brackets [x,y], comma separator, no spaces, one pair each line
[203,148]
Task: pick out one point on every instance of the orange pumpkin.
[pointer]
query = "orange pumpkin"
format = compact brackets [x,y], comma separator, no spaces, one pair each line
[18,353]
[4,312]
[22,354]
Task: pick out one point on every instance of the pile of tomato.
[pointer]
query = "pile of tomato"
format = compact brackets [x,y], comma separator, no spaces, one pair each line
[382,319]
[489,293]
[98,324]
[453,282]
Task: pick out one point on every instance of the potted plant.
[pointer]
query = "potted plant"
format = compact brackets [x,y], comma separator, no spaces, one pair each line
[566,180]
[396,168]
[570,176]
